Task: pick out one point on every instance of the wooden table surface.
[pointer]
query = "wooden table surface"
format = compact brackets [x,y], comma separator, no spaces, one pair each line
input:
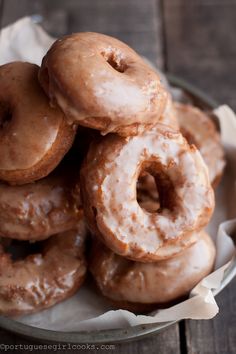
[194,39]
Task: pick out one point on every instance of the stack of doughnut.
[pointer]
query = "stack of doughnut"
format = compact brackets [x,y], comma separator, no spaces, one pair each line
[92,146]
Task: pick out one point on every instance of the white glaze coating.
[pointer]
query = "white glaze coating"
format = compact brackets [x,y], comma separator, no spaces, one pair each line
[35,211]
[169,116]
[115,89]
[34,125]
[43,279]
[159,282]
[109,178]
[34,136]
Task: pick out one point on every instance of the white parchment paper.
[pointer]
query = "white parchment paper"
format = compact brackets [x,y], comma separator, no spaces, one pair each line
[26,41]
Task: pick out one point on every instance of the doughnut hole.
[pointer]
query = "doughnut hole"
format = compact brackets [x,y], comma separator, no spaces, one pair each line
[115,60]
[5,114]
[147,192]
[19,250]
[154,189]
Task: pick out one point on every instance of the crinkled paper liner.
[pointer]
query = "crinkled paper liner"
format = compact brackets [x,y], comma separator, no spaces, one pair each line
[26,41]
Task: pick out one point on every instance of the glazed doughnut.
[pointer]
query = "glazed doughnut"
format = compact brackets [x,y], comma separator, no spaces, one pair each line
[108,186]
[169,116]
[34,137]
[44,279]
[38,210]
[136,286]
[199,129]
[115,90]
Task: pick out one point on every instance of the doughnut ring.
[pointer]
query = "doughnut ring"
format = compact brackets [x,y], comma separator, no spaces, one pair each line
[199,129]
[34,137]
[137,286]
[115,91]
[108,186]
[38,210]
[44,279]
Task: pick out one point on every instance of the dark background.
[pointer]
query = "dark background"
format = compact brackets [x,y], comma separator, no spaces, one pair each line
[194,39]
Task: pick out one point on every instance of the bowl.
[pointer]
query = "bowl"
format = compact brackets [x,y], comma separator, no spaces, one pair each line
[131,333]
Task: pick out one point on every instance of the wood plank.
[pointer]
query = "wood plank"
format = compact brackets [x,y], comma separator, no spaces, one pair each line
[218,335]
[166,342]
[13,10]
[200,47]
[1,11]
[136,22]
[200,44]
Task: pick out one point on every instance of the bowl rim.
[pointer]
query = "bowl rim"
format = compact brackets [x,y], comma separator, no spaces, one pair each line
[129,333]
